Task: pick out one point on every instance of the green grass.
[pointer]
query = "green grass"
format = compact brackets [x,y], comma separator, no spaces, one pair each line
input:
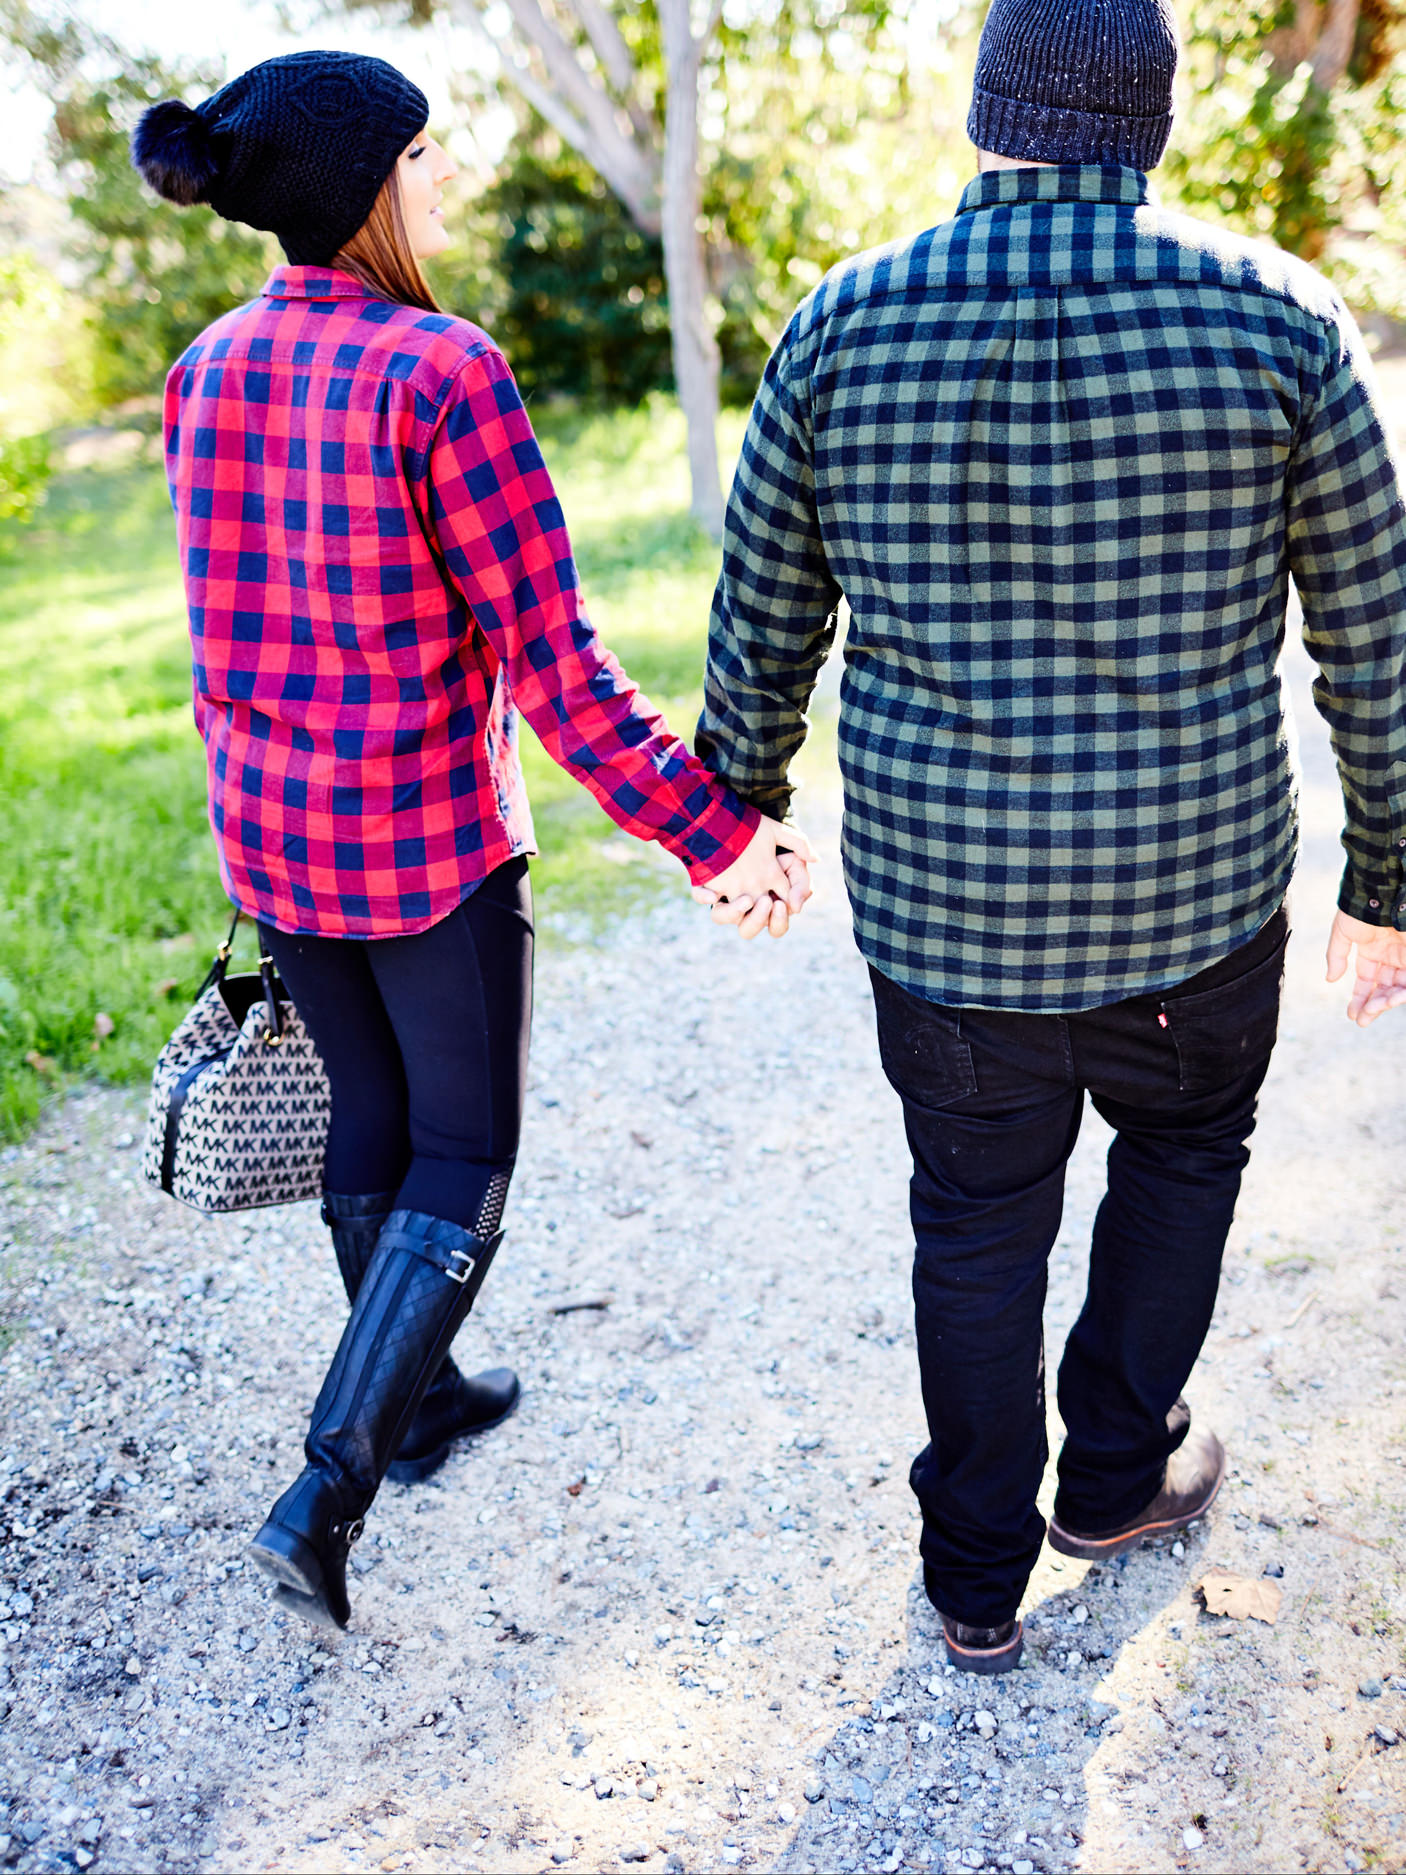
[110,901]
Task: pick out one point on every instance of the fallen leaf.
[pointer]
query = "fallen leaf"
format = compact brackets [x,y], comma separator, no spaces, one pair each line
[41,1064]
[1241,1597]
[103,1025]
[574,1490]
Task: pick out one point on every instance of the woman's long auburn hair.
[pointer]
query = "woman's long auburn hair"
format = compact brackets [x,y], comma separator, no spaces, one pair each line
[380,256]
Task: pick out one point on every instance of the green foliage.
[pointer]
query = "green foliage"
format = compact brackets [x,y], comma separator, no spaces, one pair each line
[25,467]
[576,293]
[156,275]
[110,901]
[153,275]
[1317,167]
[28,298]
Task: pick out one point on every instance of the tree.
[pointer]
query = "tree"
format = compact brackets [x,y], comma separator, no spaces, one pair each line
[1295,123]
[620,82]
[153,275]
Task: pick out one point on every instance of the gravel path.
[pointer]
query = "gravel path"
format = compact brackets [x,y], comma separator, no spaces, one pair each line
[669,1614]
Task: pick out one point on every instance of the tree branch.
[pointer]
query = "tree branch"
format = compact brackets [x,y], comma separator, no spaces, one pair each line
[576,107]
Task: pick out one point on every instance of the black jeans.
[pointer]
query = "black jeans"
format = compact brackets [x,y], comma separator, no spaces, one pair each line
[992,1101]
[424,1039]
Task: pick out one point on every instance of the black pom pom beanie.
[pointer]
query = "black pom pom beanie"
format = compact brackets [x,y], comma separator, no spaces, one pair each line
[1076,81]
[300,145]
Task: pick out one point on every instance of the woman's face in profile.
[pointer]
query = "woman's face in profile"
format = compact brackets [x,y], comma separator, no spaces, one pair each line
[423,169]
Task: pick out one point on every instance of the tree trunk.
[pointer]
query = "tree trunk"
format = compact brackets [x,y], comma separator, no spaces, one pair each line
[695,350]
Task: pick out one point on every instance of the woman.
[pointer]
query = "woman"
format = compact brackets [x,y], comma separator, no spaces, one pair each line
[377,571]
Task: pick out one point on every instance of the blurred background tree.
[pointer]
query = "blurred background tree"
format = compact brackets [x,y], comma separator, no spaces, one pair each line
[1296,131]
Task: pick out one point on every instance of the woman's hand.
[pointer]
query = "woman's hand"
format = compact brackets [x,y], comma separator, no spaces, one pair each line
[760,891]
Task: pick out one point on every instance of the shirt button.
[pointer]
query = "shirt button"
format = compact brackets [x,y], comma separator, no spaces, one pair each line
[1375,903]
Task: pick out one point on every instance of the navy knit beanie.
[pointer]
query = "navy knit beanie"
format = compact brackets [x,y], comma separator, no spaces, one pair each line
[300,145]
[1075,81]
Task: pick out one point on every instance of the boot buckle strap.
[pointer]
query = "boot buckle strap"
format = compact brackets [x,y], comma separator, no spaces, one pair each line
[464,1260]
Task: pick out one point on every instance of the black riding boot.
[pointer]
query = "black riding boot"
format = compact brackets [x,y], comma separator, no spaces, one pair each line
[416,1290]
[455,1404]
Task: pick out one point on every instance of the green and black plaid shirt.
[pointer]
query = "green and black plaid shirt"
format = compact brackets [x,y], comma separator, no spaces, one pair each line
[1061,455]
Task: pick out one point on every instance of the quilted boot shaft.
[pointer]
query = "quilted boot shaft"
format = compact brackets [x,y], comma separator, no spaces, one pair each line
[454,1405]
[355,1221]
[418,1287]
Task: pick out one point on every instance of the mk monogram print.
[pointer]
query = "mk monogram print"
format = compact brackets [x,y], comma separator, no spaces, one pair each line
[234,1121]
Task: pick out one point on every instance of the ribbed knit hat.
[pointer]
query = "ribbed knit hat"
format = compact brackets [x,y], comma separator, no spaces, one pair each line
[1075,81]
[300,145]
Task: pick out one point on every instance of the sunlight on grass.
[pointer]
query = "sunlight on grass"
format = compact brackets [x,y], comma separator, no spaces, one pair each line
[110,901]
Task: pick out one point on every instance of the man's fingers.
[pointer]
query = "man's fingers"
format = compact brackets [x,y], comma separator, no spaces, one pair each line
[780,921]
[792,840]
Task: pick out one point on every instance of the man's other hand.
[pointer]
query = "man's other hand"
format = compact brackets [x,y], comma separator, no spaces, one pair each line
[1381,966]
[756,903]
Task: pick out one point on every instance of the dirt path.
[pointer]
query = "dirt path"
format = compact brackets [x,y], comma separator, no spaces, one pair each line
[669,1614]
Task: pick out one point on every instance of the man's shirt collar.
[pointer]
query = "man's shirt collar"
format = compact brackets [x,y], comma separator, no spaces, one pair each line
[1064,182]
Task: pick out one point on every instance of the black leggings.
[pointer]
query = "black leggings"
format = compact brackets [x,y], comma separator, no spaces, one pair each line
[424,1039]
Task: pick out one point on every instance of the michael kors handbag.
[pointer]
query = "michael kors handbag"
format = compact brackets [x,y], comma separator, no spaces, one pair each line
[239,1097]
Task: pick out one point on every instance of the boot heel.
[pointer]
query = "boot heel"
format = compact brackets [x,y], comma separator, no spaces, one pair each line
[292,1562]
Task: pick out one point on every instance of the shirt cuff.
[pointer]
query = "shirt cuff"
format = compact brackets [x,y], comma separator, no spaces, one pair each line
[1374,902]
[718,837]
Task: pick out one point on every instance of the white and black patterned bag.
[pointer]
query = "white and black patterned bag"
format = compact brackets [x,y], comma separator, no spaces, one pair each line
[239,1098]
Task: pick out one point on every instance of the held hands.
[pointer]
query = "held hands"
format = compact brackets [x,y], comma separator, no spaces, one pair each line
[761,890]
[1381,966]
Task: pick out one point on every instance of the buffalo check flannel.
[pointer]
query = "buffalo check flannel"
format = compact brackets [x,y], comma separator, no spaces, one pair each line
[377,572]
[1061,455]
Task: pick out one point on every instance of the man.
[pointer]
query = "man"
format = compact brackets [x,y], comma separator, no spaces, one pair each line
[1061,454]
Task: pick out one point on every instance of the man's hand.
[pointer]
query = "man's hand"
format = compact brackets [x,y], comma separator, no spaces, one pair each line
[1381,966]
[761,890]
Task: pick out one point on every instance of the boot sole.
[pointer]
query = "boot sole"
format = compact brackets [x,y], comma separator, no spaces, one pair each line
[416,1470]
[986,1660]
[1096,1548]
[296,1572]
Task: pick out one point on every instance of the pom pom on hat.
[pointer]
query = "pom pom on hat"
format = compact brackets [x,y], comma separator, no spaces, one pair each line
[173,148]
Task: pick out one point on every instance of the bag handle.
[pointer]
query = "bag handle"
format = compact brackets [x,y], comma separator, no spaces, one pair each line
[273,1029]
[216,972]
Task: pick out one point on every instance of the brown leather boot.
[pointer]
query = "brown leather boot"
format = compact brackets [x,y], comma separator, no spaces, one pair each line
[1194,1475]
[982,1650]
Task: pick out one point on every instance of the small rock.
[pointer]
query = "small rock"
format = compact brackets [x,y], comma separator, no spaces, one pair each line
[563,1852]
[1079,1615]
[1386,1735]
[786,1813]
[133,1669]
[862,1788]
[815,1790]
[1178,1549]
[1221,1768]
[1073,1658]
[247,1642]
[635,1852]
[673,1863]
[1023,1867]
[603,1787]
[1191,1837]
[279,1719]
[31,1831]
[985,1723]
[649,1790]
[1274,1569]
[83,1857]
[91,1831]
[1370,1688]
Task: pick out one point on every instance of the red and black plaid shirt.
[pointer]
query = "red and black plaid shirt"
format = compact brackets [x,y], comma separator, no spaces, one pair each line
[377,571]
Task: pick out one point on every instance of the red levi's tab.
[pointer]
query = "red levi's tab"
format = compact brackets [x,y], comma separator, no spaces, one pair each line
[379,579]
